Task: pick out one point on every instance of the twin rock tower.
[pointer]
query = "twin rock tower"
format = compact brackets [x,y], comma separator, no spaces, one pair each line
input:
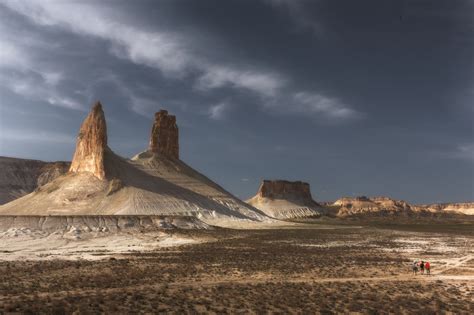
[154,182]
[91,146]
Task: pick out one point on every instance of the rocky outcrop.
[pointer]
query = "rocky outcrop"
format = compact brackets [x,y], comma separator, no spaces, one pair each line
[385,206]
[164,135]
[11,225]
[19,177]
[91,144]
[466,208]
[286,200]
[371,206]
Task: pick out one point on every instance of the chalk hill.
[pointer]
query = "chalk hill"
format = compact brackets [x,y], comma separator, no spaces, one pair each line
[155,182]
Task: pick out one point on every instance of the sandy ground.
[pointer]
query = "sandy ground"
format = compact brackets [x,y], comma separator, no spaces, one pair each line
[293,269]
[77,240]
[89,237]
[25,246]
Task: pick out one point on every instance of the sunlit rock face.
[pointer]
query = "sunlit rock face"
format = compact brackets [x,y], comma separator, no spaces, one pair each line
[91,144]
[466,208]
[164,135]
[374,205]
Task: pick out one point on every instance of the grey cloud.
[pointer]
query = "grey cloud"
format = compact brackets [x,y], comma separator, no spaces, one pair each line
[320,104]
[38,86]
[218,111]
[35,136]
[298,14]
[22,72]
[463,151]
[168,52]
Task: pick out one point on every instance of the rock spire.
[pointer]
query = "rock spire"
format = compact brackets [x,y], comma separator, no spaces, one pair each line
[164,135]
[91,144]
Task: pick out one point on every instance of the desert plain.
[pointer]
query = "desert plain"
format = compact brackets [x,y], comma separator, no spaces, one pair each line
[318,266]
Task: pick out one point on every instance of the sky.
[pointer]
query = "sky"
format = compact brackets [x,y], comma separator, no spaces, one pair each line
[355,97]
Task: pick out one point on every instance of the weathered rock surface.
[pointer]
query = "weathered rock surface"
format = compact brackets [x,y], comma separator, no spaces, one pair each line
[93,223]
[385,206]
[91,144]
[164,135]
[466,208]
[283,199]
[52,170]
[371,206]
[19,177]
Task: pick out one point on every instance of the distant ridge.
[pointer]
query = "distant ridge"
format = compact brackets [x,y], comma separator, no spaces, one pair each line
[385,206]
[19,177]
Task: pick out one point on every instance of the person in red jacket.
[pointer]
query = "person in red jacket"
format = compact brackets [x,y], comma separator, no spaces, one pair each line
[427,267]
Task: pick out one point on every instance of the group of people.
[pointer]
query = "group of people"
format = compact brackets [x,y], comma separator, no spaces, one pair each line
[422,266]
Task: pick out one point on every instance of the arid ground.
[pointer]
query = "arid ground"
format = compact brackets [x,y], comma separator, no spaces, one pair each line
[311,268]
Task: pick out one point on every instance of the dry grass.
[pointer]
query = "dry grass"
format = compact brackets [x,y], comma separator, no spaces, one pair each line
[279,271]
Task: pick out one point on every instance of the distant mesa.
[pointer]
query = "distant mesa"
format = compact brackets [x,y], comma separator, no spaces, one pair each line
[466,208]
[164,135]
[91,144]
[283,199]
[281,189]
[363,206]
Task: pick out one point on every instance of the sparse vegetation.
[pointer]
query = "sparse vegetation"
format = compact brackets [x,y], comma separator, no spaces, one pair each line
[259,271]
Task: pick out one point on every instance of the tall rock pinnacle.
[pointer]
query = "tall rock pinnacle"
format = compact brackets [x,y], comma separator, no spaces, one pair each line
[164,135]
[91,144]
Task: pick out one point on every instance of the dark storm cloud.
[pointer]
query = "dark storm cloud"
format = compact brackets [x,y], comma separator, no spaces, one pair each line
[346,95]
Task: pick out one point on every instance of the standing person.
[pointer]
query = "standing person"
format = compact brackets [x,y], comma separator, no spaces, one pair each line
[415,267]
[427,267]
[422,267]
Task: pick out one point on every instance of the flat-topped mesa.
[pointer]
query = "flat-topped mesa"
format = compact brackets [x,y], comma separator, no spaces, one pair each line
[91,144]
[283,199]
[164,135]
[282,189]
